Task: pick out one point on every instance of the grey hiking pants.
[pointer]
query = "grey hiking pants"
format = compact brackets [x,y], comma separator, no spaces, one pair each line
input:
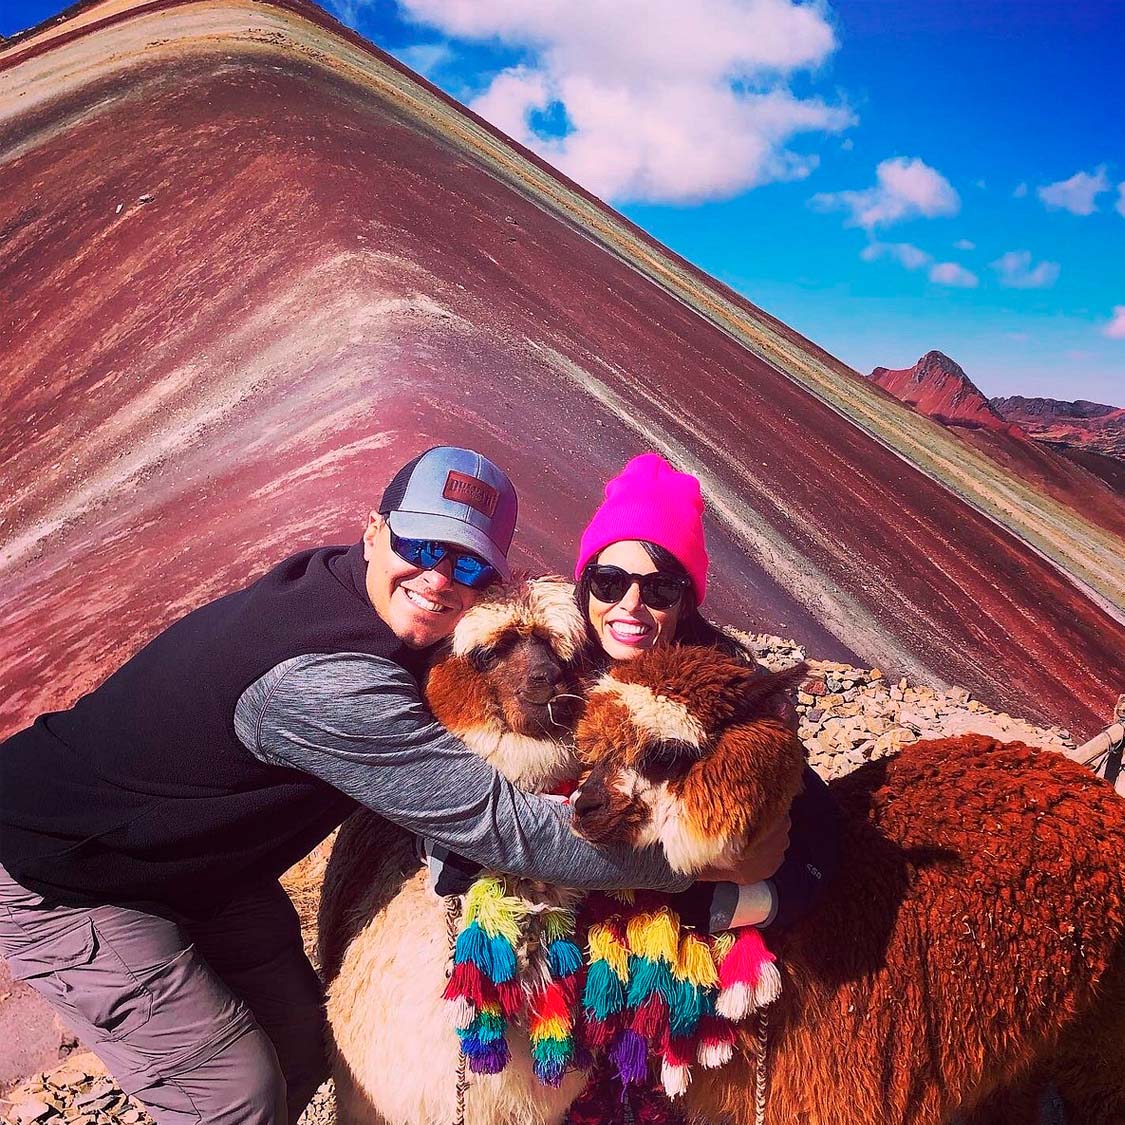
[219,1022]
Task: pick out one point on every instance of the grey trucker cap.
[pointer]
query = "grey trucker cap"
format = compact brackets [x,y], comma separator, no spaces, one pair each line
[455,496]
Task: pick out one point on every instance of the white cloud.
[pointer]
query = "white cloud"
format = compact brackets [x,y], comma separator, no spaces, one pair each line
[1115,329]
[1079,194]
[964,244]
[1020,192]
[1120,205]
[950,273]
[903,252]
[905,188]
[663,101]
[1016,272]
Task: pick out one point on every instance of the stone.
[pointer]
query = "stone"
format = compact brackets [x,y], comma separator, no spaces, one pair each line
[28,1111]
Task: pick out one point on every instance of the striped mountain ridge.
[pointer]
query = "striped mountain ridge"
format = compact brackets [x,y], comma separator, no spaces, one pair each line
[256,264]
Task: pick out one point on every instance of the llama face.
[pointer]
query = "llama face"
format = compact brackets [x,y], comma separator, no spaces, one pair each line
[510,689]
[684,750]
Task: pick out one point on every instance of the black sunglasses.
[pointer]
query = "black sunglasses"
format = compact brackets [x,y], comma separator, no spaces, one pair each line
[658,590]
[468,569]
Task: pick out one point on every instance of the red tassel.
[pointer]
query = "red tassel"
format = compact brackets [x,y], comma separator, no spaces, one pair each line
[715,1030]
[468,981]
[552,1003]
[680,1050]
[510,997]
[651,1019]
[570,990]
[598,1033]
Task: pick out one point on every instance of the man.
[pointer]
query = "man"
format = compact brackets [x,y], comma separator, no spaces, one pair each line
[142,831]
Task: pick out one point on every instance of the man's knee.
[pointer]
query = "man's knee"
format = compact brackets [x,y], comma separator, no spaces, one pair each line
[240,1083]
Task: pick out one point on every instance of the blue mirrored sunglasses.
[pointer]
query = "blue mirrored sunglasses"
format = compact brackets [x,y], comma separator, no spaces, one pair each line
[468,569]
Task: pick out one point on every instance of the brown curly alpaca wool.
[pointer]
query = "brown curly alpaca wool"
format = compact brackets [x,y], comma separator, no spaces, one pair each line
[970,947]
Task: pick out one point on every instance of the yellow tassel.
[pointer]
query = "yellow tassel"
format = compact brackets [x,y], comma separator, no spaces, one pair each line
[490,1008]
[695,963]
[635,933]
[554,1028]
[723,944]
[605,947]
[655,936]
[497,912]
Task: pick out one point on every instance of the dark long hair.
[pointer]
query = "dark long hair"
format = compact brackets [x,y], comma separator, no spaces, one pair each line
[692,628]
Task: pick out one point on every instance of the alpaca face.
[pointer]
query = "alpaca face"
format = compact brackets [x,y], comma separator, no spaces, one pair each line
[534,691]
[510,689]
[684,750]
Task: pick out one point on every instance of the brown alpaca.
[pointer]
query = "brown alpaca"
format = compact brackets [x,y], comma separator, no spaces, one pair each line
[506,690]
[970,947]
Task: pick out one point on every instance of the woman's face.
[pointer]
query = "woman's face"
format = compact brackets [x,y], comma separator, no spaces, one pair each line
[628,627]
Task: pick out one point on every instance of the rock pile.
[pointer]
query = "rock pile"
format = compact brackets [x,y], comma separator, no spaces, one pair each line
[78,1092]
[853,715]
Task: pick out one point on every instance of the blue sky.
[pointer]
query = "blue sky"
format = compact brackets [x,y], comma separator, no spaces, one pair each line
[887,177]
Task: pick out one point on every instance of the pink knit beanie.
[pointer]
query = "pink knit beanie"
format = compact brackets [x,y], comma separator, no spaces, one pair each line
[650,500]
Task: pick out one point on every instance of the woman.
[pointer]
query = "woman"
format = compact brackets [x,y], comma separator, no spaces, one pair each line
[642,575]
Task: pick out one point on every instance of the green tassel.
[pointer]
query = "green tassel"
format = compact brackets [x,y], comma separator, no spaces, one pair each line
[488,1026]
[552,1050]
[647,977]
[604,994]
[686,1008]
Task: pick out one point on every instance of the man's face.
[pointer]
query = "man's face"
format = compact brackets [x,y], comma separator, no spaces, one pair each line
[421,606]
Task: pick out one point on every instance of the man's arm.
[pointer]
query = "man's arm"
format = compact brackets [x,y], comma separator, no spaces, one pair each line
[357,722]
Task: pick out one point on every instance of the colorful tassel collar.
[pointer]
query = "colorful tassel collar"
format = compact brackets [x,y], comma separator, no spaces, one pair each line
[649,989]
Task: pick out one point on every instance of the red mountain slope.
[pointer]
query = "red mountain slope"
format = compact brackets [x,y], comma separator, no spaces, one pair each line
[251,265]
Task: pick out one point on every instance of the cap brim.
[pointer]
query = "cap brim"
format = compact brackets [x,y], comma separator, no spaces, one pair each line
[427,525]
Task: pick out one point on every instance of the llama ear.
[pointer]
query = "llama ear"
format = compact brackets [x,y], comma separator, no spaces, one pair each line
[767,695]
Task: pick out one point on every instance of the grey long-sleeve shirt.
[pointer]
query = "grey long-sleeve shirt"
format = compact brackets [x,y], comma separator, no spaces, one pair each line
[358,722]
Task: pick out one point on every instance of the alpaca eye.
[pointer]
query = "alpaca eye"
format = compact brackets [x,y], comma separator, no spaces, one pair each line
[667,760]
[484,659]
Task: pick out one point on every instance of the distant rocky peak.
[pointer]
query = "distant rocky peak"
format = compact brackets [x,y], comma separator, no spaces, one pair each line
[938,386]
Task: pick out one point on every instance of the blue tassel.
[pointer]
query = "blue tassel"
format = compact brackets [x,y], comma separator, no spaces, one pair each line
[473,945]
[502,959]
[565,958]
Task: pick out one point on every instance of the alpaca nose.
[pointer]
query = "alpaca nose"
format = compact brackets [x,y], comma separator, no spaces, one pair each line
[545,675]
[588,801]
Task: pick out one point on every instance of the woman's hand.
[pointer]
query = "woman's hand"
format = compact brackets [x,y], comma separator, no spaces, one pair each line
[759,861]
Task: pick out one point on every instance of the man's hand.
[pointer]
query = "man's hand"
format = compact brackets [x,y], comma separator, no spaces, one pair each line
[759,861]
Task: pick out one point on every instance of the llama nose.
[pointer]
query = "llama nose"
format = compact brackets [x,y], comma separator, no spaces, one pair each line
[546,675]
[587,801]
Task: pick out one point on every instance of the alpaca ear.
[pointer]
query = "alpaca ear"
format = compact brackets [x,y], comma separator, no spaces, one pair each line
[768,695]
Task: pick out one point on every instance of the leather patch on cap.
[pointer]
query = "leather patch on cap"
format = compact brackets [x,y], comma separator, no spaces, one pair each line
[465,489]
